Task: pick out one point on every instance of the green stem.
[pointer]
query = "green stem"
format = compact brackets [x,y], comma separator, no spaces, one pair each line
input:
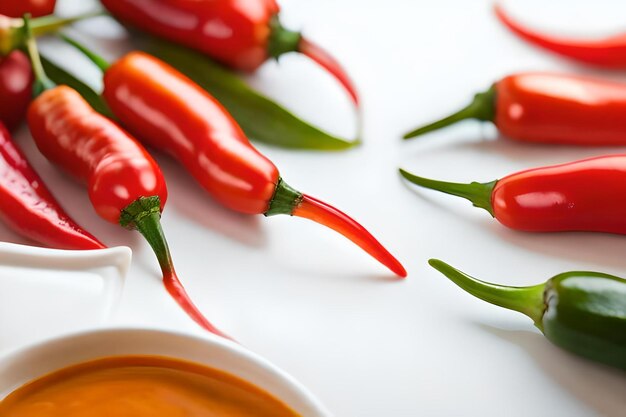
[481,108]
[93,57]
[526,300]
[144,215]
[13,34]
[478,193]
[282,40]
[42,82]
[48,24]
[284,200]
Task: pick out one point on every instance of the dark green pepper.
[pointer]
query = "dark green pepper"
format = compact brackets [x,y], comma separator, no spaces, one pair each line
[582,312]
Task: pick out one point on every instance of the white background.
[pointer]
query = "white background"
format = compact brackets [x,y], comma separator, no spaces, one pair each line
[368,344]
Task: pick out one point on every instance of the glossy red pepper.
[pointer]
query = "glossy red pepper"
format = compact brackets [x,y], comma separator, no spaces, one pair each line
[240,34]
[549,108]
[28,207]
[607,52]
[171,113]
[18,8]
[16,86]
[585,195]
[126,186]
[16,77]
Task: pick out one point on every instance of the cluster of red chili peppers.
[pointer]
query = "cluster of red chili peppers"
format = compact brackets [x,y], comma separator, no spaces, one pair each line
[164,109]
[157,105]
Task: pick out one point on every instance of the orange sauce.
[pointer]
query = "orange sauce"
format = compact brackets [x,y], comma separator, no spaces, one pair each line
[141,386]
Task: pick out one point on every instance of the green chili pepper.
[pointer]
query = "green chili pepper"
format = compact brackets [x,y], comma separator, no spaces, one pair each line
[582,312]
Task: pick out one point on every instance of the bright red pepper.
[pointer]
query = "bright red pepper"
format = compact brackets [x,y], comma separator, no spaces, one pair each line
[171,113]
[585,195]
[16,86]
[18,8]
[28,207]
[16,77]
[607,52]
[125,184]
[240,34]
[549,108]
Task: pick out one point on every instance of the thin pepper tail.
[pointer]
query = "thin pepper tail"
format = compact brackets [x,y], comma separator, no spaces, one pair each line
[176,290]
[609,52]
[144,215]
[330,64]
[327,215]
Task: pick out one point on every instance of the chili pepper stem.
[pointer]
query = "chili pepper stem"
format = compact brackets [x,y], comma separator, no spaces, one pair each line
[478,193]
[42,82]
[144,215]
[283,40]
[289,201]
[100,62]
[48,24]
[526,300]
[481,108]
[13,35]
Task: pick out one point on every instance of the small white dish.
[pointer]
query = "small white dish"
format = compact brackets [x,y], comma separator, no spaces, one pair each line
[49,292]
[26,364]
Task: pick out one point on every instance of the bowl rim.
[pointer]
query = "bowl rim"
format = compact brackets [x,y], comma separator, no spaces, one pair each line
[256,360]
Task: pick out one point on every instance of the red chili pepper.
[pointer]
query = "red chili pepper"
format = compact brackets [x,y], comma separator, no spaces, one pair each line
[586,195]
[549,108]
[18,8]
[171,113]
[16,86]
[16,77]
[608,52]
[240,34]
[28,207]
[125,184]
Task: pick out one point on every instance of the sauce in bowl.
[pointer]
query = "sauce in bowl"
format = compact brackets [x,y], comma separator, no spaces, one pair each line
[141,386]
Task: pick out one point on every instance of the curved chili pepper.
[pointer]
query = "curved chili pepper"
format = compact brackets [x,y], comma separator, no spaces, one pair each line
[582,312]
[171,113]
[125,184]
[585,195]
[18,8]
[241,35]
[28,207]
[549,108]
[608,52]
[16,86]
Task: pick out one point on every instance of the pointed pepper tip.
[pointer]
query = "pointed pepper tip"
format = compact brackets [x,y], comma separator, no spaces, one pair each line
[331,65]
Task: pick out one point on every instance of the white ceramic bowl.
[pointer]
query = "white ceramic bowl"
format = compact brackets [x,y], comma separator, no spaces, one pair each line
[26,364]
[49,292]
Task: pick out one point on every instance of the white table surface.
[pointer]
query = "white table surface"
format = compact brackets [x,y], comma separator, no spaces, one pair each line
[368,344]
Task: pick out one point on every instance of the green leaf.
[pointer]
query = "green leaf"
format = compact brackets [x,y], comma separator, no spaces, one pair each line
[62,77]
[261,118]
